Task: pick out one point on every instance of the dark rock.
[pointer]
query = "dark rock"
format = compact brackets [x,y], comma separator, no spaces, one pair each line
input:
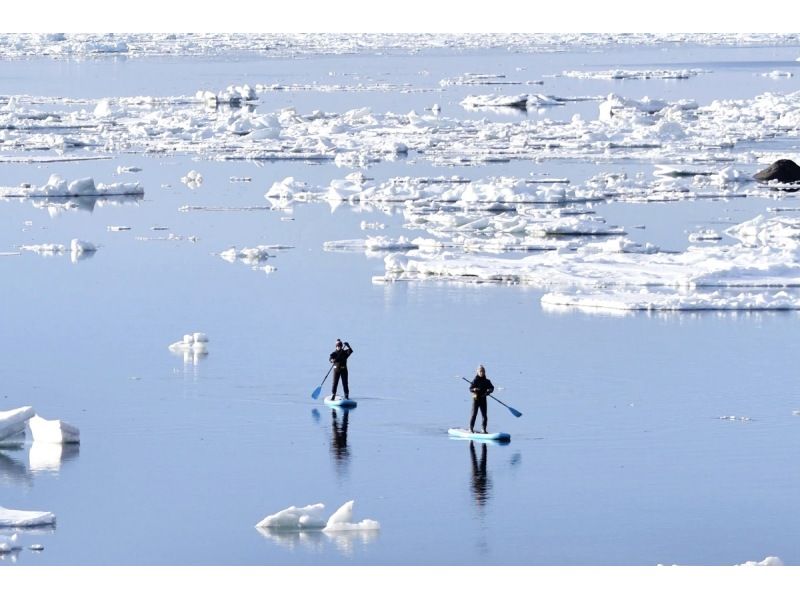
[783,171]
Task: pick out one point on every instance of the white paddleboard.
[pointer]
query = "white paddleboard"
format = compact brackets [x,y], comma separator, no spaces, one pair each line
[337,401]
[496,436]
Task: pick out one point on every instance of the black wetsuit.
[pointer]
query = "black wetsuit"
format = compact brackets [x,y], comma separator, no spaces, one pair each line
[339,361]
[481,387]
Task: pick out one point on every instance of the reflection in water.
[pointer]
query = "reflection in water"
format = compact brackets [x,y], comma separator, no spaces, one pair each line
[339,448]
[12,470]
[316,541]
[481,484]
[315,414]
[48,457]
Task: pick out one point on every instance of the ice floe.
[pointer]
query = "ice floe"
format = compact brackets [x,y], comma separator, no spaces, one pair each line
[635,74]
[646,300]
[14,518]
[311,518]
[53,431]
[12,422]
[57,186]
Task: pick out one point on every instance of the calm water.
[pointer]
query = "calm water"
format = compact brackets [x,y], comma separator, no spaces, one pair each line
[620,458]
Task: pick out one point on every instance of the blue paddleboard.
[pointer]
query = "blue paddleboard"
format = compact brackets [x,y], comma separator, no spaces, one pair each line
[496,436]
[337,401]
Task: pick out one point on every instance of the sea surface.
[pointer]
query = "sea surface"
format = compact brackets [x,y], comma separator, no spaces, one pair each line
[645,438]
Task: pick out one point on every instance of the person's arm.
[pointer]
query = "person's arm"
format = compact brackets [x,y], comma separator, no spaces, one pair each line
[474,386]
[331,359]
[490,387]
[349,348]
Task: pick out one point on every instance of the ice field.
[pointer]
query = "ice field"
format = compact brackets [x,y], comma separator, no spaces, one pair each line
[189,222]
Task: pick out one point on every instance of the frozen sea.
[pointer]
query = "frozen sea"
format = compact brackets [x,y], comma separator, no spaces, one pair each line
[647,437]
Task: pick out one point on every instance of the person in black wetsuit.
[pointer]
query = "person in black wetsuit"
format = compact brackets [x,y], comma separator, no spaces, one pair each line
[481,387]
[339,361]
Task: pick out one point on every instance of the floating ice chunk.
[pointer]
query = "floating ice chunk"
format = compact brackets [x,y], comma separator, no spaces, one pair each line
[372,225]
[86,187]
[44,248]
[249,255]
[634,74]
[778,230]
[310,518]
[53,431]
[296,518]
[116,229]
[777,74]
[196,343]
[104,109]
[647,300]
[192,179]
[342,521]
[730,175]
[707,234]
[127,169]
[9,543]
[288,188]
[673,170]
[78,247]
[13,422]
[492,100]
[13,518]
[770,561]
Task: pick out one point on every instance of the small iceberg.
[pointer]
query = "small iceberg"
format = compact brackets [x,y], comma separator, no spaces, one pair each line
[13,422]
[13,518]
[52,431]
[309,518]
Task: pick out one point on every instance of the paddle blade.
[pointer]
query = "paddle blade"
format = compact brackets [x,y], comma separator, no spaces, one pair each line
[315,394]
[514,412]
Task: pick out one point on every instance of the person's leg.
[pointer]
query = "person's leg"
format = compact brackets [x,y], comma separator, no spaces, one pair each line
[344,385]
[483,413]
[335,381]
[474,414]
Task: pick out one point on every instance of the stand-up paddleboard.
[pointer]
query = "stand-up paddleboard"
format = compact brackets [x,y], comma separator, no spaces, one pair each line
[337,401]
[495,436]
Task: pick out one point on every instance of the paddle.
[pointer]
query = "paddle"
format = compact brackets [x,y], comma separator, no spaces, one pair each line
[318,389]
[513,411]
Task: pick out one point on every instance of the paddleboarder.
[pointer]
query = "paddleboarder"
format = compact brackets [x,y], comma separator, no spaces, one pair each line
[481,387]
[339,360]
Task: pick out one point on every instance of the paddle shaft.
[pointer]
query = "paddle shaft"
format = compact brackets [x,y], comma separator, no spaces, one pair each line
[326,375]
[511,409]
[318,389]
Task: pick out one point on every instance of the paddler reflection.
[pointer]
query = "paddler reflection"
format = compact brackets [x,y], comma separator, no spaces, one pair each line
[481,483]
[339,449]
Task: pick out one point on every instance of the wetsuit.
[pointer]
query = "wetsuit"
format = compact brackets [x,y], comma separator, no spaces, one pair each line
[481,387]
[339,361]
